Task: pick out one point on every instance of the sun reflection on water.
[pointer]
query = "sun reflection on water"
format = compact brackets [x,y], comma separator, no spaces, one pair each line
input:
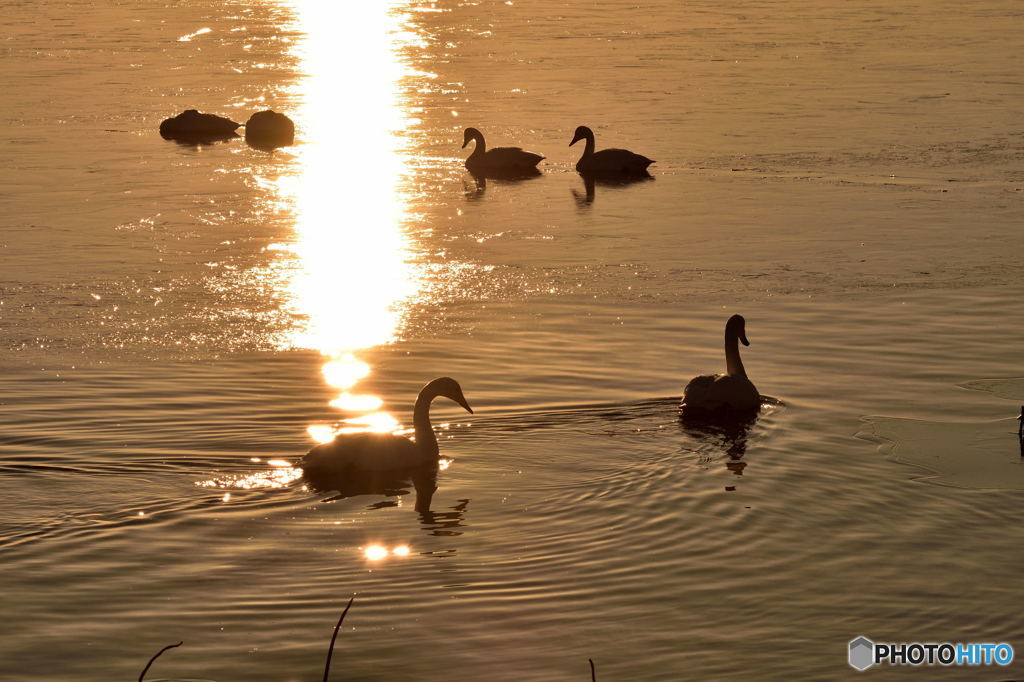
[356,403]
[279,477]
[376,551]
[355,277]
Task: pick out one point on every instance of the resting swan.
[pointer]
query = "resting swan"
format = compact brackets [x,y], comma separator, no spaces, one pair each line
[617,161]
[499,159]
[372,453]
[729,391]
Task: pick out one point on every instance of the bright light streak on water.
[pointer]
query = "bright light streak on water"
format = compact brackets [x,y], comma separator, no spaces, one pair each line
[355,277]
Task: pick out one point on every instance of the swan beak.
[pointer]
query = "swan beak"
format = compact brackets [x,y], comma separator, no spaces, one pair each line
[465,142]
[575,140]
[743,338]
[461,400]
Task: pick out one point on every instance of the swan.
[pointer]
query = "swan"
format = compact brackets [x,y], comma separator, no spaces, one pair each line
[362,454]
[499,159]
[618,161]
[729,391]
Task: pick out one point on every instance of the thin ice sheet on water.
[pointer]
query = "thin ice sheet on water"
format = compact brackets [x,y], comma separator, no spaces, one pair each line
[1011,389]
[977,455]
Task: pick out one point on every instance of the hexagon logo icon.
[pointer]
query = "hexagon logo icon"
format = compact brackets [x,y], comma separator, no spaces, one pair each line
[862,653]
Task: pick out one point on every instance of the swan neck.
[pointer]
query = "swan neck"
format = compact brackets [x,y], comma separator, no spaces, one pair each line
[733,364]
[589,149]
[480,146]
[426,441]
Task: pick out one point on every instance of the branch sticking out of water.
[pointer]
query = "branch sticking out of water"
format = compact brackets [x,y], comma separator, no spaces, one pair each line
[156,656]
[330,651]
[593,673]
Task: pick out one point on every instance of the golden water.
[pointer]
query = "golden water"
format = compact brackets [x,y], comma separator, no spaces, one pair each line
[181,323]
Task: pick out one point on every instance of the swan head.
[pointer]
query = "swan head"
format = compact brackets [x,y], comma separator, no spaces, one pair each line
[471,134]
[737,326]
[447,388]
[582,133]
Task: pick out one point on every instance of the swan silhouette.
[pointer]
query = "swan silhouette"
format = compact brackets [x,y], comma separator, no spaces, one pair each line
[508,160]
[362,455]
[607,161]
[730,391]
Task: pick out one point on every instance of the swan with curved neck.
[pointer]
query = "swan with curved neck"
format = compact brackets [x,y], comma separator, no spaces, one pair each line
[607,161]
[499,159]
[729,391]
[362,453]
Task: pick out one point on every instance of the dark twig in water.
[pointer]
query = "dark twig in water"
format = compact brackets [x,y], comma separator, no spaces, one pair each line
[330,651]
[593,673]
[156,656]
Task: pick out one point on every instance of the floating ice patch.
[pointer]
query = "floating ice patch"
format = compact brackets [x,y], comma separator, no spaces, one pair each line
[1011,389]
[979,455]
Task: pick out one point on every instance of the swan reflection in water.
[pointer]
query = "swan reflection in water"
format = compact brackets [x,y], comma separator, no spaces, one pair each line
[726,432]
[444,523]
[476,189]
[727,435]
[396,483]
[586,198]
[199,140]
[266,145]
[391,483]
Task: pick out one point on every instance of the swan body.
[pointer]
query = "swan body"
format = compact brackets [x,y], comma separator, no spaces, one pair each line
[499,159]
[732,390]
[369,454]
[607,161]
[192,125]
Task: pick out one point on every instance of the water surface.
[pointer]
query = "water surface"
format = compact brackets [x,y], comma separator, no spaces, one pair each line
[180,323]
